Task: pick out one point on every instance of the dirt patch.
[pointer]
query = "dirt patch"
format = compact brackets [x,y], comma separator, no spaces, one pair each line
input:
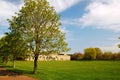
[7,75]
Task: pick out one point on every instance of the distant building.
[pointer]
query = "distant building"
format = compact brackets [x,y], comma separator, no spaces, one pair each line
[51,57]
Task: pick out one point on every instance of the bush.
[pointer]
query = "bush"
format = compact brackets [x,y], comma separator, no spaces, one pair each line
[90,54]
[98,53]
[77,56]
[107,56]
[116,56]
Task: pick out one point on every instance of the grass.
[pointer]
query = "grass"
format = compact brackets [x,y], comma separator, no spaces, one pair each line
[71,70]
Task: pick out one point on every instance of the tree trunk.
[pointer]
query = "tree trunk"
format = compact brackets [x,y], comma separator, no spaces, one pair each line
[36,54]
[3,59]
[6,59]
[13,63]
[35,64]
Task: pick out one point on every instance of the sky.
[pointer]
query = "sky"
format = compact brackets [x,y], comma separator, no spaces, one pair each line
[87,23]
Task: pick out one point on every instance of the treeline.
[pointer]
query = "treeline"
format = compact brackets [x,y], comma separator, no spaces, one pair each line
[95,54]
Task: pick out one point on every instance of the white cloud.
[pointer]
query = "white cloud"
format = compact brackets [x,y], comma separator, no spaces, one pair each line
[64,30]
[61,5]
[7,10]
[114,39]
[111,49]
[69,22]
[102,14]
[2,35]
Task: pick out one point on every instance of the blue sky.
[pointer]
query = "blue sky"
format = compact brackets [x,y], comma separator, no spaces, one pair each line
[87,23]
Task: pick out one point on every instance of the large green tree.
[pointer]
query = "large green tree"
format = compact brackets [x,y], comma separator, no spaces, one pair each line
[39,23]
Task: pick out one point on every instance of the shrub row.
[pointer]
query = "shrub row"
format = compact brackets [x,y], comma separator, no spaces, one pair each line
[95,54]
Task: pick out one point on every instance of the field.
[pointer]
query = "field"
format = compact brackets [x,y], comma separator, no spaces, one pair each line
[71,70]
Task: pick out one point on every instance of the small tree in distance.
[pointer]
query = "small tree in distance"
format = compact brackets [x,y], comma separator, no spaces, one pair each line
[98,53]
[107,55]
[93,53]
[90,53]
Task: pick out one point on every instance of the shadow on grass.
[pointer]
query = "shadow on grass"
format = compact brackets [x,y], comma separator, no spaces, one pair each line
[20,71]
[4,66]
[12,72]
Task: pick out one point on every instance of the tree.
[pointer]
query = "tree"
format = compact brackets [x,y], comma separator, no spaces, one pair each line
[17,45]
[90,53]
[39,23]
[107,55]
[118,56]
[4,49]
[118,45]
[12,44]
[98,53]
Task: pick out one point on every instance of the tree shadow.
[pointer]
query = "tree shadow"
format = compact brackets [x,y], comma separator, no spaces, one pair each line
[21,71]
[12,72]
[4,66]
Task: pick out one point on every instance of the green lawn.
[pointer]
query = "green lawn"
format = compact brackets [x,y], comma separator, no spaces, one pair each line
[71,70]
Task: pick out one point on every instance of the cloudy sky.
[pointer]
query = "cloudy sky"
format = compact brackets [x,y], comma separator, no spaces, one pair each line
[87,23]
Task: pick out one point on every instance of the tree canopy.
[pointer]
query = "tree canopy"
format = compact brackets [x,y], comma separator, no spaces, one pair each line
[39,24]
